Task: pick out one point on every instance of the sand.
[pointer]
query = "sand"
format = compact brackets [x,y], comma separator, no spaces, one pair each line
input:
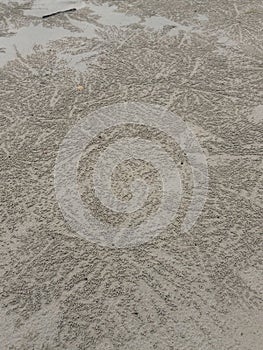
[131,175]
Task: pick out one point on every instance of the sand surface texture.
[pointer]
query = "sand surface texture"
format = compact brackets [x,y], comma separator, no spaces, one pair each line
[131,175]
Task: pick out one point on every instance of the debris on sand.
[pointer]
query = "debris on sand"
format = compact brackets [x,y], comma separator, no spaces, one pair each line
[59,12]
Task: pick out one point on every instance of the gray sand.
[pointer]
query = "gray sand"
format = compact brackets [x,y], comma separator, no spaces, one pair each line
[184,80]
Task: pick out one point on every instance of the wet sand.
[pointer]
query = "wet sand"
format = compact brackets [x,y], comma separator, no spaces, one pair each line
[65,286]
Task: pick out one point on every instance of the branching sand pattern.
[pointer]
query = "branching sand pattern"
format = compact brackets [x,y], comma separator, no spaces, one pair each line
[196,290]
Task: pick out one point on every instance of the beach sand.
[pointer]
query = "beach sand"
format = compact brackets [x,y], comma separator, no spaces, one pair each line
[66,284]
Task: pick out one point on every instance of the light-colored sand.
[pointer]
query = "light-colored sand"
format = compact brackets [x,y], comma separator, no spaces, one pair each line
[199,290]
